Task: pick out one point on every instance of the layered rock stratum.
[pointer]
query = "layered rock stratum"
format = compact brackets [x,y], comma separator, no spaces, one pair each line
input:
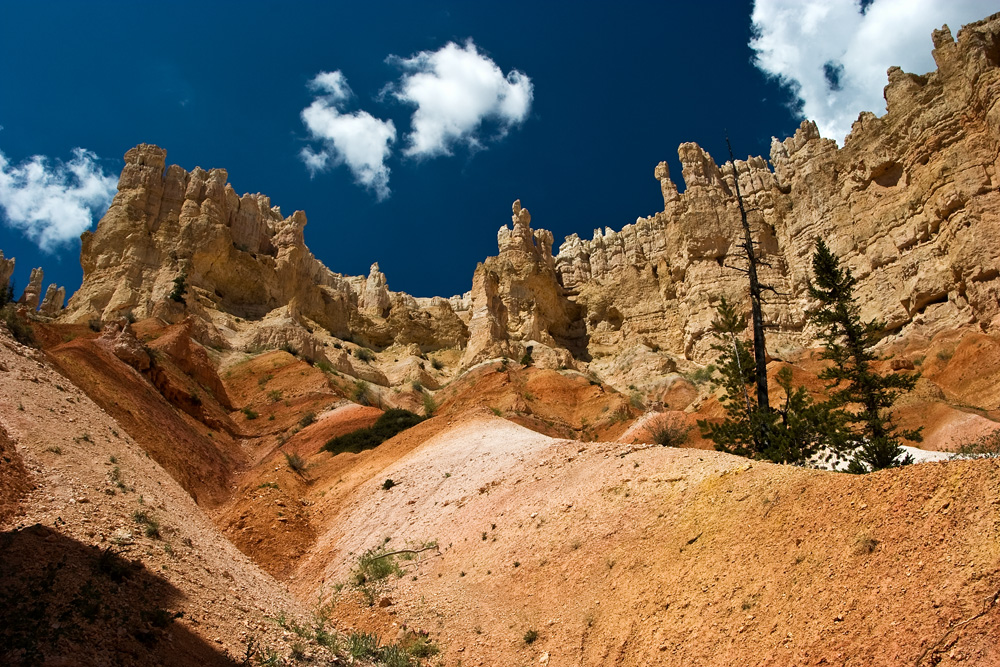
[910,203]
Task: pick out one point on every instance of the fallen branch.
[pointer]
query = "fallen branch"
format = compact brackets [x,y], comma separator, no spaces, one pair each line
[989,604]
[406,551]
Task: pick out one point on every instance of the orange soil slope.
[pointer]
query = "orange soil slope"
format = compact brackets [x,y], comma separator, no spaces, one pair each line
[634,556]
[203,465]
[82,580]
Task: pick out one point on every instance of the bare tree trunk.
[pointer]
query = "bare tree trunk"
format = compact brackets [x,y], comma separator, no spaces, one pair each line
[759,353]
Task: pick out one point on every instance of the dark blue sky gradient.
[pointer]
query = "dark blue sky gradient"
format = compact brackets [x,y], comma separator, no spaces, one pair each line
[617,86]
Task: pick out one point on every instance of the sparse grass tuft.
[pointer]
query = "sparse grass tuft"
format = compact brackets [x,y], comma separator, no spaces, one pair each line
[865,544]
[388,484]
[986,446]
[249,412]
[307,418]
[530,637]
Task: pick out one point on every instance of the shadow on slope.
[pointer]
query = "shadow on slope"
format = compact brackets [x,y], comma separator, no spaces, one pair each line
[65,603]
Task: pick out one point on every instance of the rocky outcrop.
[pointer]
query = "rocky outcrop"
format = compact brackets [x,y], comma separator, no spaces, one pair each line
[6,270]
[119,338]
[33,292]
[53,302]
[516,297]
[239,255]
[910,203]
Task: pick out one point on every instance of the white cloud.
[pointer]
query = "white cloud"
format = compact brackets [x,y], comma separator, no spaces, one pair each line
[357,139]
[53,204]
[455,89]
[834,53]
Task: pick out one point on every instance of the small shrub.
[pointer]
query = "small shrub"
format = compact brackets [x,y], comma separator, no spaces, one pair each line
[389,424]
[667,434]
[180,287]
[249,412]
[436,364]
[530,637]
[364,354]
[527,360]
[18,327]
[94,325]
[388,484]
[360,394]
[393,656]
[986,446]
[429,405]
[362,645]
[324,366]
[417,387]
[497,411]
[422,647]
[295,462]
[6,293]
[635,400]
[865,544]
[307,418]
[702,375]
[274,395]
[374,565]
[287,347]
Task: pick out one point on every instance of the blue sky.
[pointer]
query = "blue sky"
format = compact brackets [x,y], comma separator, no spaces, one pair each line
[567,106]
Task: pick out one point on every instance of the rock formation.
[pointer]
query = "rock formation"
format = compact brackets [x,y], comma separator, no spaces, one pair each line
[6,270]
[517,299]
[33,292]
[53,302]
[910,203]
[241,258]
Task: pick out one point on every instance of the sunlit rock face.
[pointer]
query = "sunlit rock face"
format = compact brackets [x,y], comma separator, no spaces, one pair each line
[239,256]
[910,204]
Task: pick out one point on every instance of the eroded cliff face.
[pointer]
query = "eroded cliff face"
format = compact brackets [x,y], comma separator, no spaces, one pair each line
[910,203]
[241,260]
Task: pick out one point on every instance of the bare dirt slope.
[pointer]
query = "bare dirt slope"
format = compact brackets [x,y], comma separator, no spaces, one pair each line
[632,556]
[104,558]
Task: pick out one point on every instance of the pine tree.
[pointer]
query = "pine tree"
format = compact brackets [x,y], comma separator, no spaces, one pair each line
[737,434]
[854,382]
[794,431]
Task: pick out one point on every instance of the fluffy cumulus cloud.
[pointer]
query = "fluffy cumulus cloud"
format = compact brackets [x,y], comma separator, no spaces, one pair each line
[53,203]
[357,139]
[455,90]
[834,54]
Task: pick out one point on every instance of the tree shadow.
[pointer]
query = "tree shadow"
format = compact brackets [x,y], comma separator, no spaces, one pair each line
[63,602]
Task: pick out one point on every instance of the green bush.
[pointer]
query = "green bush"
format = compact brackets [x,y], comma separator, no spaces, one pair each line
[364,354]
[295,462]
[180,287]
[18,327]
[666,434]
[389,424]
[249,412]
[360,393]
